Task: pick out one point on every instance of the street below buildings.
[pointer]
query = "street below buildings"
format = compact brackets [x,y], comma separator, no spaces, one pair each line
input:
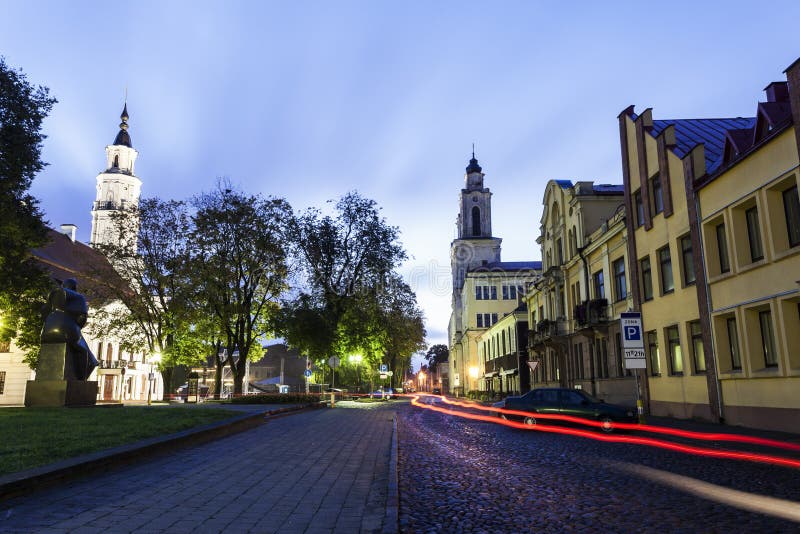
[336,470]
[461,475]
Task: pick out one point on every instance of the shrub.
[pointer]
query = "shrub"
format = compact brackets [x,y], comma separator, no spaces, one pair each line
[277,398]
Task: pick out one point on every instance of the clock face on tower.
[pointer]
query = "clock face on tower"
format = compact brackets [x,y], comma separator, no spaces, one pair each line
[474,198]
[463,253]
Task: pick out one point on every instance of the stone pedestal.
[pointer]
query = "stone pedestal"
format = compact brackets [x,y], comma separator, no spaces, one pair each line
[50,388]
[61,393]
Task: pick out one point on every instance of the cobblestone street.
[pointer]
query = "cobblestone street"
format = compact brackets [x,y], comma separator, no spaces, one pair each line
[458,475]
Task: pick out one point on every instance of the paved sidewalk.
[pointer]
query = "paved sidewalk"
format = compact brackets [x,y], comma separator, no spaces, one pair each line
[317,471]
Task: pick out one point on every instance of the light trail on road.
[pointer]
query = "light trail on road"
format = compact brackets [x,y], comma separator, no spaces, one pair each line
[636,440]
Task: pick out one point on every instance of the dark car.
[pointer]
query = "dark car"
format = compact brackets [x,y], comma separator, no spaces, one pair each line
[437,391]
[569,402]
[385,393]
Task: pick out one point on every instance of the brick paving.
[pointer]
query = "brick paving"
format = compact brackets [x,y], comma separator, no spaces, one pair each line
[463,476]
[313,472]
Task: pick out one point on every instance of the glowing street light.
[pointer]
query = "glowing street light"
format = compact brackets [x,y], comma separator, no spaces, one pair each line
[421,379]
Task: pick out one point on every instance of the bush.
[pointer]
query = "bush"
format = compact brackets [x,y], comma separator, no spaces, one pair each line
[277,398]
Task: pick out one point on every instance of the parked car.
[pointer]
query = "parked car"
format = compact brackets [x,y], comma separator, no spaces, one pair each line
[437,391]
[386,393]
[183,391]
[565,401]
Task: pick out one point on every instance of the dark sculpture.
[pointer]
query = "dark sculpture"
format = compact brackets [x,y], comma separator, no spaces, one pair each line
[65,314]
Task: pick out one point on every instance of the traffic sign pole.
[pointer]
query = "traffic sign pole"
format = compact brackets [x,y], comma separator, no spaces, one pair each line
[633,347]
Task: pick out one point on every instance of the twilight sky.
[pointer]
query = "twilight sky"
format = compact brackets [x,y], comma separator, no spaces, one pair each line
[307,100]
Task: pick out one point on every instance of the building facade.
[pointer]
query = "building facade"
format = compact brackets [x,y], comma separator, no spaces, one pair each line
[749,223]
[480,279]
[574,309]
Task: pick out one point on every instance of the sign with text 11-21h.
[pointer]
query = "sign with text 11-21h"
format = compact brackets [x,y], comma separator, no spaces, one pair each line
[632,340]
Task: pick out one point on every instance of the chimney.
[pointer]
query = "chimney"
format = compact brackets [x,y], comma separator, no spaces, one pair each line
[69,230]
[777,92]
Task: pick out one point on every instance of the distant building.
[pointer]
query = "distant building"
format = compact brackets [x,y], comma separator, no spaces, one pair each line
[484,288]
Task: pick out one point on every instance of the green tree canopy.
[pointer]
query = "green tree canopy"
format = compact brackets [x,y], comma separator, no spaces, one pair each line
[24,285]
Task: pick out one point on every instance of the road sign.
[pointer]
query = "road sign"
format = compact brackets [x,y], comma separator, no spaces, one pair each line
[307,372]
[333,361]
[632,341]
[384,376]
[384,368]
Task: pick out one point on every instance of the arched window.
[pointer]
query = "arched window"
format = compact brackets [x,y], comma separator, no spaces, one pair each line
[476,221]
[116,161]
[504,343]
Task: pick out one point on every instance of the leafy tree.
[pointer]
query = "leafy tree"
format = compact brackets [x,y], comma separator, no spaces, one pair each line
[437,354]
[152,279]
[346,259]
[240,258]
[23,107]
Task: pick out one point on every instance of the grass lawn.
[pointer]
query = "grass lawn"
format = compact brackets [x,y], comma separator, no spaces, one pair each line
[39,436]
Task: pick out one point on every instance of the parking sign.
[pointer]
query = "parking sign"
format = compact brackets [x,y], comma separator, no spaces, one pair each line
[632,342]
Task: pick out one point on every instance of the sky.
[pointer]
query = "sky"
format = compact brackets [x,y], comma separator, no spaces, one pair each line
[308,100]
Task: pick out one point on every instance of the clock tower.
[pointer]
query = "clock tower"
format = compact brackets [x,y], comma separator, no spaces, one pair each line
[118,189]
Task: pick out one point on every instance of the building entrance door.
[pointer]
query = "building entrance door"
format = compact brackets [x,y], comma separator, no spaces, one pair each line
[108,388]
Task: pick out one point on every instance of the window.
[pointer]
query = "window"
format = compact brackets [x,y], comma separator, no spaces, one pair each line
[476,221]
[599,287]
[733,344]
[674,351]
[722,249]
[652,351]
[602,356]
[116,161]
[5,346]
[637,201]
[559,252]
[688,261]
[658,198]
[480,320]
[494,318]
[578,353]
[665,262]
[494,292]
[509,292]
[478,293]
[754,234]
[2,382]
[647,279]
[767,339]
[791,207]
[697,347]
[620,288]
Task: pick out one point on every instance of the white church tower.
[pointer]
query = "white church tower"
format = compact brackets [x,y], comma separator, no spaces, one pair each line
[118,187]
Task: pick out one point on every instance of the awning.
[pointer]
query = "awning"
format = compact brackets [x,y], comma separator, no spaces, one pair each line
[490,375]
[508,372]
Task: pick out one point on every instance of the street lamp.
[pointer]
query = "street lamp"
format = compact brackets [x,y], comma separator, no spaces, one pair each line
[356,358]
[473,373]
[421,380]
[151,377]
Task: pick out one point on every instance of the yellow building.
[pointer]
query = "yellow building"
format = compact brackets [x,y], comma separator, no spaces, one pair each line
[716,226]
[484,288]
[749,211]
[681,376]
[574,308]
[503,352]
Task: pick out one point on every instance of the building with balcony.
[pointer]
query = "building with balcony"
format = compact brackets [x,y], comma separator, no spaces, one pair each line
[573,310]
[503,355]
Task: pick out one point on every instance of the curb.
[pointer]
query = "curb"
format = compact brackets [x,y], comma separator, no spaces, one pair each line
[391,520]
[29,480]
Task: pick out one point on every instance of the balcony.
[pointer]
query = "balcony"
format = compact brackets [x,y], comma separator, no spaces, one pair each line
[546,330]
[554,274]
[102,205]
[592,313]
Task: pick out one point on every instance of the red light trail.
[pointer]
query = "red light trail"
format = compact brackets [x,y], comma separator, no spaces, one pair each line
[637,440]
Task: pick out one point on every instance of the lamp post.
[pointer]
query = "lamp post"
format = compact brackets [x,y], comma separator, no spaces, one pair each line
[356,358]
[473,373]
[151,377]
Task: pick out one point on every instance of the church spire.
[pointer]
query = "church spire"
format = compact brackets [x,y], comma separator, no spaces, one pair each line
[473,163]
[123,137]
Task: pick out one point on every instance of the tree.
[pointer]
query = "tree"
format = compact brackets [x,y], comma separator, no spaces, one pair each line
[346,259]
[240,257]
[437,354]
[23,107]
[152,280]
